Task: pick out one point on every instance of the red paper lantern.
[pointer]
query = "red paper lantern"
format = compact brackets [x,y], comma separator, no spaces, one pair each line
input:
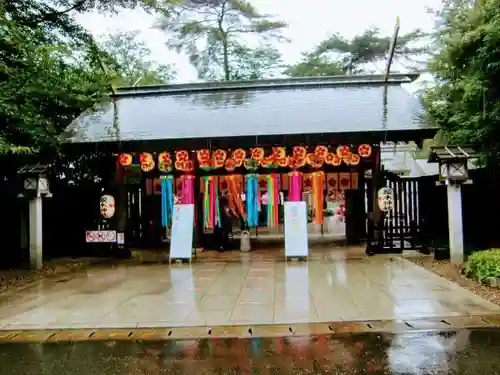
[125,159]
[343,151]
[145,158]
[365,150]
[355,159]
[230,165]
[182,155]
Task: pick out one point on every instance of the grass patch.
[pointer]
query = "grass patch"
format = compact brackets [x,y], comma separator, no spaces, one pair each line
[483,265]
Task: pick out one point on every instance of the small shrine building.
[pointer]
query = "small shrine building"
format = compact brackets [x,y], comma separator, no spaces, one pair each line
[256,142]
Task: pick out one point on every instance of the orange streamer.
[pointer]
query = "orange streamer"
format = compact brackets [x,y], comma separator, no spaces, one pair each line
[234,195]
[318,186]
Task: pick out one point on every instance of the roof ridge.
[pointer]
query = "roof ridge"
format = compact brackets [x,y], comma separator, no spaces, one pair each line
[268,84]
[364,79]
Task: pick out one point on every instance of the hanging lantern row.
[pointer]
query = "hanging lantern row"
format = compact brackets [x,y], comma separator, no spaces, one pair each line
[147,163]
[253,160]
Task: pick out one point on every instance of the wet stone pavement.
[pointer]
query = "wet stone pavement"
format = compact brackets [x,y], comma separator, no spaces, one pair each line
[259,289]
[459,352]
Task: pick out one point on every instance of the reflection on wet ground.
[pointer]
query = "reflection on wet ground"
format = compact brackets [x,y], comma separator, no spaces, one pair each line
[237,290]
[454,352]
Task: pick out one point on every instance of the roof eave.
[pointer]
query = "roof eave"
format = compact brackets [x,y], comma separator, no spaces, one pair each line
[248,141]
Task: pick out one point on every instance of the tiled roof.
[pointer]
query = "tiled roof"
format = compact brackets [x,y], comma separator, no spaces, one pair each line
[318,105]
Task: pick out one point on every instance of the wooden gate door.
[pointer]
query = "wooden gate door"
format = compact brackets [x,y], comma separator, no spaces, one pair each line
[401,226]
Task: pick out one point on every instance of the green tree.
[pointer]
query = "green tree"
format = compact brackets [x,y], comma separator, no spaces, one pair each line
[134,64]
[214,32]
[254,63]
[466,99]
[312,65]
[42,88]
[50,71]
[337,54]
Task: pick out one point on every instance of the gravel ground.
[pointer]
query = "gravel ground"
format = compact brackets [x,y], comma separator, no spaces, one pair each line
[445,269]
[11,280]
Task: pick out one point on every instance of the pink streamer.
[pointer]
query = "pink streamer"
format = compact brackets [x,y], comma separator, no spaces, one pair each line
[295,187]
[187,190]
[212,203]
[277,199]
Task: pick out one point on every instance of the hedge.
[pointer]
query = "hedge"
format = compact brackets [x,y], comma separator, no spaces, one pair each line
[483,265]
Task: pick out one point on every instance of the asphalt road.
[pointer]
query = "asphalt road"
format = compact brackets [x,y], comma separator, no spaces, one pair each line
[460,352]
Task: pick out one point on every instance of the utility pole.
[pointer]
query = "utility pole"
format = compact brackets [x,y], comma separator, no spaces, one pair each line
[392,47]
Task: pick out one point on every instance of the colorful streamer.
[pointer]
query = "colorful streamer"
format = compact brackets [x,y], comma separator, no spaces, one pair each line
[318,186]
[252,200]
[167,200]
[187,188]
[273,201]
[295,186]
[234,195]
[211,209]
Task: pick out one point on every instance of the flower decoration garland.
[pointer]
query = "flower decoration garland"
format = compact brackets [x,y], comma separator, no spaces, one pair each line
[296,158]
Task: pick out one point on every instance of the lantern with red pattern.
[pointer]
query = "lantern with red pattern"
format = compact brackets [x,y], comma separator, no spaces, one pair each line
[125,159]
[365,150]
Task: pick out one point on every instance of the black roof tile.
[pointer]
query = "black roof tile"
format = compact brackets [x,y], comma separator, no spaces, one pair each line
[322,105]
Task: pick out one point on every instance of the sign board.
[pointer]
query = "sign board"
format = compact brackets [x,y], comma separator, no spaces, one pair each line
[181,241]
[100,236]
[132,175]
[296,229]
[120,238]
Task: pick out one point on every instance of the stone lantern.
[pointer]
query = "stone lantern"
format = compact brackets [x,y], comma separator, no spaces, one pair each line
[35,186]
[453,173]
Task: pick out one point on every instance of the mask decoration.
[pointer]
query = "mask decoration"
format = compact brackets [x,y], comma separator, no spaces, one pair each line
[107,206]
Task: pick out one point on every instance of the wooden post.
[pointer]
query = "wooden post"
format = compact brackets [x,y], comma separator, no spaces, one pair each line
[377,183]
[121,209]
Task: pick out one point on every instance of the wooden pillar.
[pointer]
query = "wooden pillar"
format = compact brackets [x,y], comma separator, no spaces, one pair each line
[120,193]
[356,211]
[377,183]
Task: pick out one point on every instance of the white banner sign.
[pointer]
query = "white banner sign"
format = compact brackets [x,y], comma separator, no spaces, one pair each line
[100,236]
[181,241]
[296,229]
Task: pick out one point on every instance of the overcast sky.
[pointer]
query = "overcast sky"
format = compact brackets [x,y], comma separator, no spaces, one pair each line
[309,23]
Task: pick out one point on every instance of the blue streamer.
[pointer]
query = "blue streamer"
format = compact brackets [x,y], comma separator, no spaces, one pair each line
[167,200]
[164,213]
[251,201]
[170,198]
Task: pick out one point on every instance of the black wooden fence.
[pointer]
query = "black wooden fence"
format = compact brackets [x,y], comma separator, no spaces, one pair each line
[66,216]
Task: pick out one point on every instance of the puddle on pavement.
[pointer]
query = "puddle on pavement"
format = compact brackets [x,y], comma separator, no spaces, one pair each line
[460,352]
[246,331]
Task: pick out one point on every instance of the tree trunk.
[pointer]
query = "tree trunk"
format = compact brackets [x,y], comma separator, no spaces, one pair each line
[224,39]
[227,76]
